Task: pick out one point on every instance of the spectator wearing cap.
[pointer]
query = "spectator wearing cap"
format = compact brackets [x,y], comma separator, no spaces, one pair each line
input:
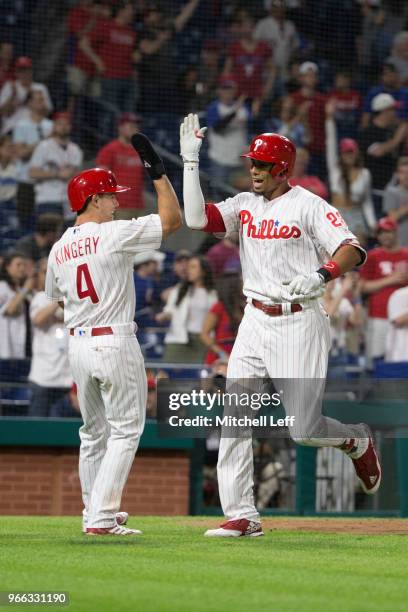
[120,157]
[399,56]
[27,133]
[348,105]
[301,177]
[381,142]
[13,94]
[280,34]
[350,182]
[37,245]
[395,202]
[50,375]
[390,84]
[147,266]
[250,61]
[311,103]
[54,162]
[227,120]
[385,271]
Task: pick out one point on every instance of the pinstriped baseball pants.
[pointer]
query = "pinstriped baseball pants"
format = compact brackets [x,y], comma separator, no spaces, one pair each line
[292,350]
[112,391]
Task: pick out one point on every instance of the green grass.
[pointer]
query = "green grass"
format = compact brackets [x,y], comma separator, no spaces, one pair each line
[173,568]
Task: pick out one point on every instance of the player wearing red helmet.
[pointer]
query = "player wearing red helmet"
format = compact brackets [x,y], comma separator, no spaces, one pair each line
[291,243]
[90,272]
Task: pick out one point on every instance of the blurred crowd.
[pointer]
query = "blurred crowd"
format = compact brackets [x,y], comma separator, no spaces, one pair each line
[78,82]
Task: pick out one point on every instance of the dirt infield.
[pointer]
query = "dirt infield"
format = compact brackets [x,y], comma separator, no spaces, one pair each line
[355,526]
[339,525]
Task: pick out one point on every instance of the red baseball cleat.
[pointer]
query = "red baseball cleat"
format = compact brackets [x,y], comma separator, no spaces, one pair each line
[236,529]
[366,463]
[116,530]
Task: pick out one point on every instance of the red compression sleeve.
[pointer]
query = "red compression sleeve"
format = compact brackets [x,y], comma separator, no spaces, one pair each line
[215,224]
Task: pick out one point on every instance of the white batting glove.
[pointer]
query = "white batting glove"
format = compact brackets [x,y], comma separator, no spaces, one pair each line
[191,138]
[306,286]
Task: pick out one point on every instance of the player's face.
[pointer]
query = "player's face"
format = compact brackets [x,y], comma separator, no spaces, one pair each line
[108,204]
[262,181]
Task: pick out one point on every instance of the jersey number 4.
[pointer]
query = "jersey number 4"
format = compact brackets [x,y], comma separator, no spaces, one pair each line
[85,286]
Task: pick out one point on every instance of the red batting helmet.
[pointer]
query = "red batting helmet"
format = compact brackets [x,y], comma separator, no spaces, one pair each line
[91,182]
[274,149]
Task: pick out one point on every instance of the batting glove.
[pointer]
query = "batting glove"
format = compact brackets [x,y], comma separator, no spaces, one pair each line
[191,138]
[306,286]
[151,160]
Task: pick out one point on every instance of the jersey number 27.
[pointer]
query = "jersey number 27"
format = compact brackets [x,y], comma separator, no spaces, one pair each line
[85,286]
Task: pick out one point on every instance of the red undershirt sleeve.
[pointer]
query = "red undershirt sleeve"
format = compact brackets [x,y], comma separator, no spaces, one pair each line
[215,224]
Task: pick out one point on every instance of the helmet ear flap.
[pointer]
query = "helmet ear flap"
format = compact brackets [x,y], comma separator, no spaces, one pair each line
[280,170]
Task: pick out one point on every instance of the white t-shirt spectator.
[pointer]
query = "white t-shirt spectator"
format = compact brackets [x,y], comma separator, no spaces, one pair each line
[49,365]
[28,132]
[21,111]
[184,319]
[283,39]
[50,154]
[12,329]
[226,146]
[397,338]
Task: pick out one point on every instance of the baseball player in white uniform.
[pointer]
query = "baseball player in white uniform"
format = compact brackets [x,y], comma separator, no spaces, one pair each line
[291,243]
[90,271]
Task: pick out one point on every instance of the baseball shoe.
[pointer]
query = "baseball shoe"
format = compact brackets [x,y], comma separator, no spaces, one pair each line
[236,529]
[366,463]
[116,530]
[121,519]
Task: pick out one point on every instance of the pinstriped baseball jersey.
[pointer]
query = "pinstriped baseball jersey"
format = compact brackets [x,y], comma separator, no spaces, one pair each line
[91,269]
[293,234]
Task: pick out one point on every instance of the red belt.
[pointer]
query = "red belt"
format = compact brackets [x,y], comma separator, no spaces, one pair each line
[97,331]
[275,310]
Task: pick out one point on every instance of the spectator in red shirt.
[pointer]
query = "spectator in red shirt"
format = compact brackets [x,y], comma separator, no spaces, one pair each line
[120,157]
[111,46]
[310,182]
[385,271]
[312,102]
[251,64]
[222,321]
[348,105]
[83,20]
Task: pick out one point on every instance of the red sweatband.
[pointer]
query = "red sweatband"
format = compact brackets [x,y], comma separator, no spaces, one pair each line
[215,223]
[329,271]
